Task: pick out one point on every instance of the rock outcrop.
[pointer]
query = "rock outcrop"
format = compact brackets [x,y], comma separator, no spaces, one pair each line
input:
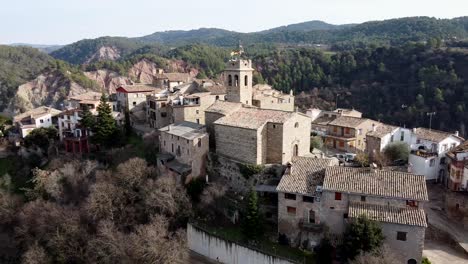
[108,80]
[104,53]
[144,71]
[49,89]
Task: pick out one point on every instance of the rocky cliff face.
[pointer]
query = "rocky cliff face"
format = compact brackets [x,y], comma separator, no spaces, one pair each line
[108,80]
[49,89]
[104,53]
[144,71]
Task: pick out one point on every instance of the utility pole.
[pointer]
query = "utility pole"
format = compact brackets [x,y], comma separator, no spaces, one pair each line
[431,114]
[336,103]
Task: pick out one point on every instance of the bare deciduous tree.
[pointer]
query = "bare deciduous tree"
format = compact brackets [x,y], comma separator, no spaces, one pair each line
[35,255]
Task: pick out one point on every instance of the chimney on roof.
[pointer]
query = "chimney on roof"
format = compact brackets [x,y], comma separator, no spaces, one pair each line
[456,133]
[373,167]
[374,127]
[169,128]
[414,130]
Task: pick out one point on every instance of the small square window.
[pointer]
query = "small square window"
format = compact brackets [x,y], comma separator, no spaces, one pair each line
[345,216]
[401,236]
[290,196]
[197,112]
[291,210]
[363,198]
[338,196]
[308,199]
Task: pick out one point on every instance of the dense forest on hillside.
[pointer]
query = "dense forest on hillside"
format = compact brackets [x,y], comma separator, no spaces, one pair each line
[340,38]
[17,66]
[398,85]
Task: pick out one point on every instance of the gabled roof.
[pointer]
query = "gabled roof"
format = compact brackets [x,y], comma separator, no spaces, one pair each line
[305,174]
[460,149]
[177,76]
[391,184]
[347,121]
[223,107]
[138,89]
[36,113]
[388,214]
[88,96]
[254,118]
[381,131]
[185,129]
[432,135]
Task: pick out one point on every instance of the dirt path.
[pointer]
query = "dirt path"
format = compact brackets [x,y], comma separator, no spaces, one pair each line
[443,253]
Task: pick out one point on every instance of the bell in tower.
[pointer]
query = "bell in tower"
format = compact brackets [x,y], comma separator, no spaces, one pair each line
[238,78]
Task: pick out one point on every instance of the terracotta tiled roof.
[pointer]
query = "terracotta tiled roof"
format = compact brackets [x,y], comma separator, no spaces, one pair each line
[253,118]
[141,88]
[391,184]
[223,107]
[431,134]
[347,121]
[92,96]
[462,148]
[323,120]
[388,214]
[381,131]
[304,175]
[36,113]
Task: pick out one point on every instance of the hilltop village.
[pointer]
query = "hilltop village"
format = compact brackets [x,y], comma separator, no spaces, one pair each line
[314,173]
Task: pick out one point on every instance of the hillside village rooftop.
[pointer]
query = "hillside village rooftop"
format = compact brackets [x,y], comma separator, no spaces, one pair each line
[224,107]
[254,118]
[26,117]
[186,130]
[347,121]
[388,214]
[381,131]
[432,135]
[305,174]
[367,181]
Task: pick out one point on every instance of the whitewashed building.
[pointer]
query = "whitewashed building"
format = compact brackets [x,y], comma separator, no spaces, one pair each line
[428,150]
[36,118]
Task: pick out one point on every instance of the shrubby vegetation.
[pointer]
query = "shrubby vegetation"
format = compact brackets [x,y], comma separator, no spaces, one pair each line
[81,212]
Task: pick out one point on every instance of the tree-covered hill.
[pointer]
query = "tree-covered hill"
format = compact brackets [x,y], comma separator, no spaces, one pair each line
[387,32]
[17,66]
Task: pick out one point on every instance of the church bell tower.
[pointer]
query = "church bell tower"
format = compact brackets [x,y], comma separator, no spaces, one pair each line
[238,78]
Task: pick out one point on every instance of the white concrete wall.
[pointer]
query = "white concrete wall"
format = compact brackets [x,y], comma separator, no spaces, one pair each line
[225,251]
[421,166]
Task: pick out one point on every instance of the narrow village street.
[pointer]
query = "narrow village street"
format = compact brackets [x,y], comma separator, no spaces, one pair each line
[439,250]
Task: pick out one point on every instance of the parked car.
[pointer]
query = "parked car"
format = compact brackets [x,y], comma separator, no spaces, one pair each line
[341,157]
[350,156]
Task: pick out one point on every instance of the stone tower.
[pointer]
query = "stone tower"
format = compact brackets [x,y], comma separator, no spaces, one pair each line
[238,80]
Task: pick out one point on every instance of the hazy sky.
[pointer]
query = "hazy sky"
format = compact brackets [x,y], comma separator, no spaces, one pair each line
[66,21]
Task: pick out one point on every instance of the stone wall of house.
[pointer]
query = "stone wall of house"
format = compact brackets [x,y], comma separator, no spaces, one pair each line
[190,113]
[412,248]
[237,143]
[372,147]
[332,212]
[224,251]
[210,118]
[267,102]
[191,152]
[456,205]
[274,144]
[296,131]
[290,223]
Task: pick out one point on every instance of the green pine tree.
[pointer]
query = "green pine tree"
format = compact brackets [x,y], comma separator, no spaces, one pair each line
[362,235]
[87,119]
[105,127]
[251,224]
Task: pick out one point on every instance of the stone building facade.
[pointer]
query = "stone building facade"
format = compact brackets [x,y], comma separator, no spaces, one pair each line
[258,136]
[184,150]
[298,204]
[265,97]
[349,133]
[238,81]
[394,199]
[458,167]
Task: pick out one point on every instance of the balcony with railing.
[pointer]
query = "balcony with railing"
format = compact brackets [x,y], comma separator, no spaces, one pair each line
[424,153]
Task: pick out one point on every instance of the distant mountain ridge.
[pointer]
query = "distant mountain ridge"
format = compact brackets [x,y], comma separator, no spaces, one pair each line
[42,47]
[386,32]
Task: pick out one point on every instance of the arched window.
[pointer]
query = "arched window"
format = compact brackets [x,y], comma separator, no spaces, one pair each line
[230,80]
[412,261]
[296,150]
[236,80]
[217,97]
[311,217]
[296,125]
[246,80]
